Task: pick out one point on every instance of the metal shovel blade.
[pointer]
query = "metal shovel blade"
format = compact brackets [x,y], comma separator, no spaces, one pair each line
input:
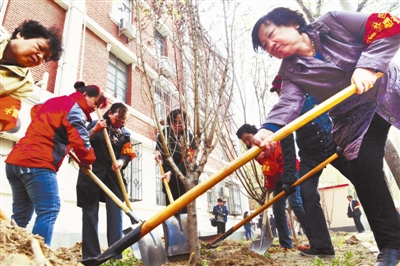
[175,235]
[208,239]
[261,246]
[149,249]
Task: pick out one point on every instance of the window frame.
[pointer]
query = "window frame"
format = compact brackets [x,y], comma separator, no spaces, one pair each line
[117,73]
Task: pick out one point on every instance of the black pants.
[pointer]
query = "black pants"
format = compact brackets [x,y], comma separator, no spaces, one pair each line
[372,191]
[221,227]
[357,222]
[319,234]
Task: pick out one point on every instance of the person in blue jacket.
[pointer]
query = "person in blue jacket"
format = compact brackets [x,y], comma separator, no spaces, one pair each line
[221,213]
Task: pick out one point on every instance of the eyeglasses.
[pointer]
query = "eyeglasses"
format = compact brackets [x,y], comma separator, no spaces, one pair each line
[175,122]
[121,120]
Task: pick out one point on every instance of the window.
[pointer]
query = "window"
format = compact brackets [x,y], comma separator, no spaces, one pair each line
[160,195]
[160,48]
[117,78]
[235,205]
[164,101]
[3,5]
[133,174]
[210,201]
[122,9]
[159,102]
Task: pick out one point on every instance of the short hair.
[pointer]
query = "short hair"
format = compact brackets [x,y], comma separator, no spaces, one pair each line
[30,29]
[246,128]
[120,108]
[91,91]
[173,114]
[279,16]
[349,196]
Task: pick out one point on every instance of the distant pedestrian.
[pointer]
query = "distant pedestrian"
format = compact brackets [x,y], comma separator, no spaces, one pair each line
[353,211]
[260,221]
[221,216]
[247,226]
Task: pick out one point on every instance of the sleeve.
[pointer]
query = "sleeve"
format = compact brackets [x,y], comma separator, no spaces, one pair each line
[16,82]
[288,107]
[127,151]
[214,211]
[9,110]
[380,32]
[78,135]
[289,160]
[226,211]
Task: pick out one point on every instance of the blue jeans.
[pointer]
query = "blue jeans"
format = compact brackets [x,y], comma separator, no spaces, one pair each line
[90,219]
[247,229]
[34,189]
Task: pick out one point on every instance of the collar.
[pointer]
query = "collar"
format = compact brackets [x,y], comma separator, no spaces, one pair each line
[81,101]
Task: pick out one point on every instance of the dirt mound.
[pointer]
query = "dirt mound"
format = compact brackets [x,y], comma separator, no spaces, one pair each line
[16,249]
[232,252]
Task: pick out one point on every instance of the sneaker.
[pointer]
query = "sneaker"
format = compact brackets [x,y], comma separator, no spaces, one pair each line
[320,252]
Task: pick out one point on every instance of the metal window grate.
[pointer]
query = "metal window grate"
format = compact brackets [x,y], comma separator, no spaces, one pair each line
[160,195]
[134,175]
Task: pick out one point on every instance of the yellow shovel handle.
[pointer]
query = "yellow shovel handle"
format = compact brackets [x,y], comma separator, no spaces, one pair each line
[166,184]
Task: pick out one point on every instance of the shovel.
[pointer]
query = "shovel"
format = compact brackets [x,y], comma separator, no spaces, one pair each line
[175,228]
[109,193]
[148,249]
[217,177]
[265,241]
[264,245]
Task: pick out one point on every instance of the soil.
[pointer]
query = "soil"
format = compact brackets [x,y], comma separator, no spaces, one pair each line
[15,247]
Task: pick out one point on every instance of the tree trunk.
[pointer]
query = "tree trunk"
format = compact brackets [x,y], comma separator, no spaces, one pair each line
[193,233]
[393,161]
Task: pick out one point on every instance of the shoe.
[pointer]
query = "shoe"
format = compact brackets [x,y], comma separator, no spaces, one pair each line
[320,252]
[388,257]
[303,247]
[361,232]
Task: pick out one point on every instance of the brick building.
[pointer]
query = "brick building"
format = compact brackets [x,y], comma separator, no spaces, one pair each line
[101,46]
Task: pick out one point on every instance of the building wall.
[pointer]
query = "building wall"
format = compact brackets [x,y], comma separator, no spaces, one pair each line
[334,202]
[87,29]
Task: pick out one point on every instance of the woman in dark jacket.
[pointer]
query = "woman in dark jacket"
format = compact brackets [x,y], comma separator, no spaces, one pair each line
[89,194]
[176,137]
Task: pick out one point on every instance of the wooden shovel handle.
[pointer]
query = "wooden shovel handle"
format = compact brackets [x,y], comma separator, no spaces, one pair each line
[114,160]
[166,184]
[97,180]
